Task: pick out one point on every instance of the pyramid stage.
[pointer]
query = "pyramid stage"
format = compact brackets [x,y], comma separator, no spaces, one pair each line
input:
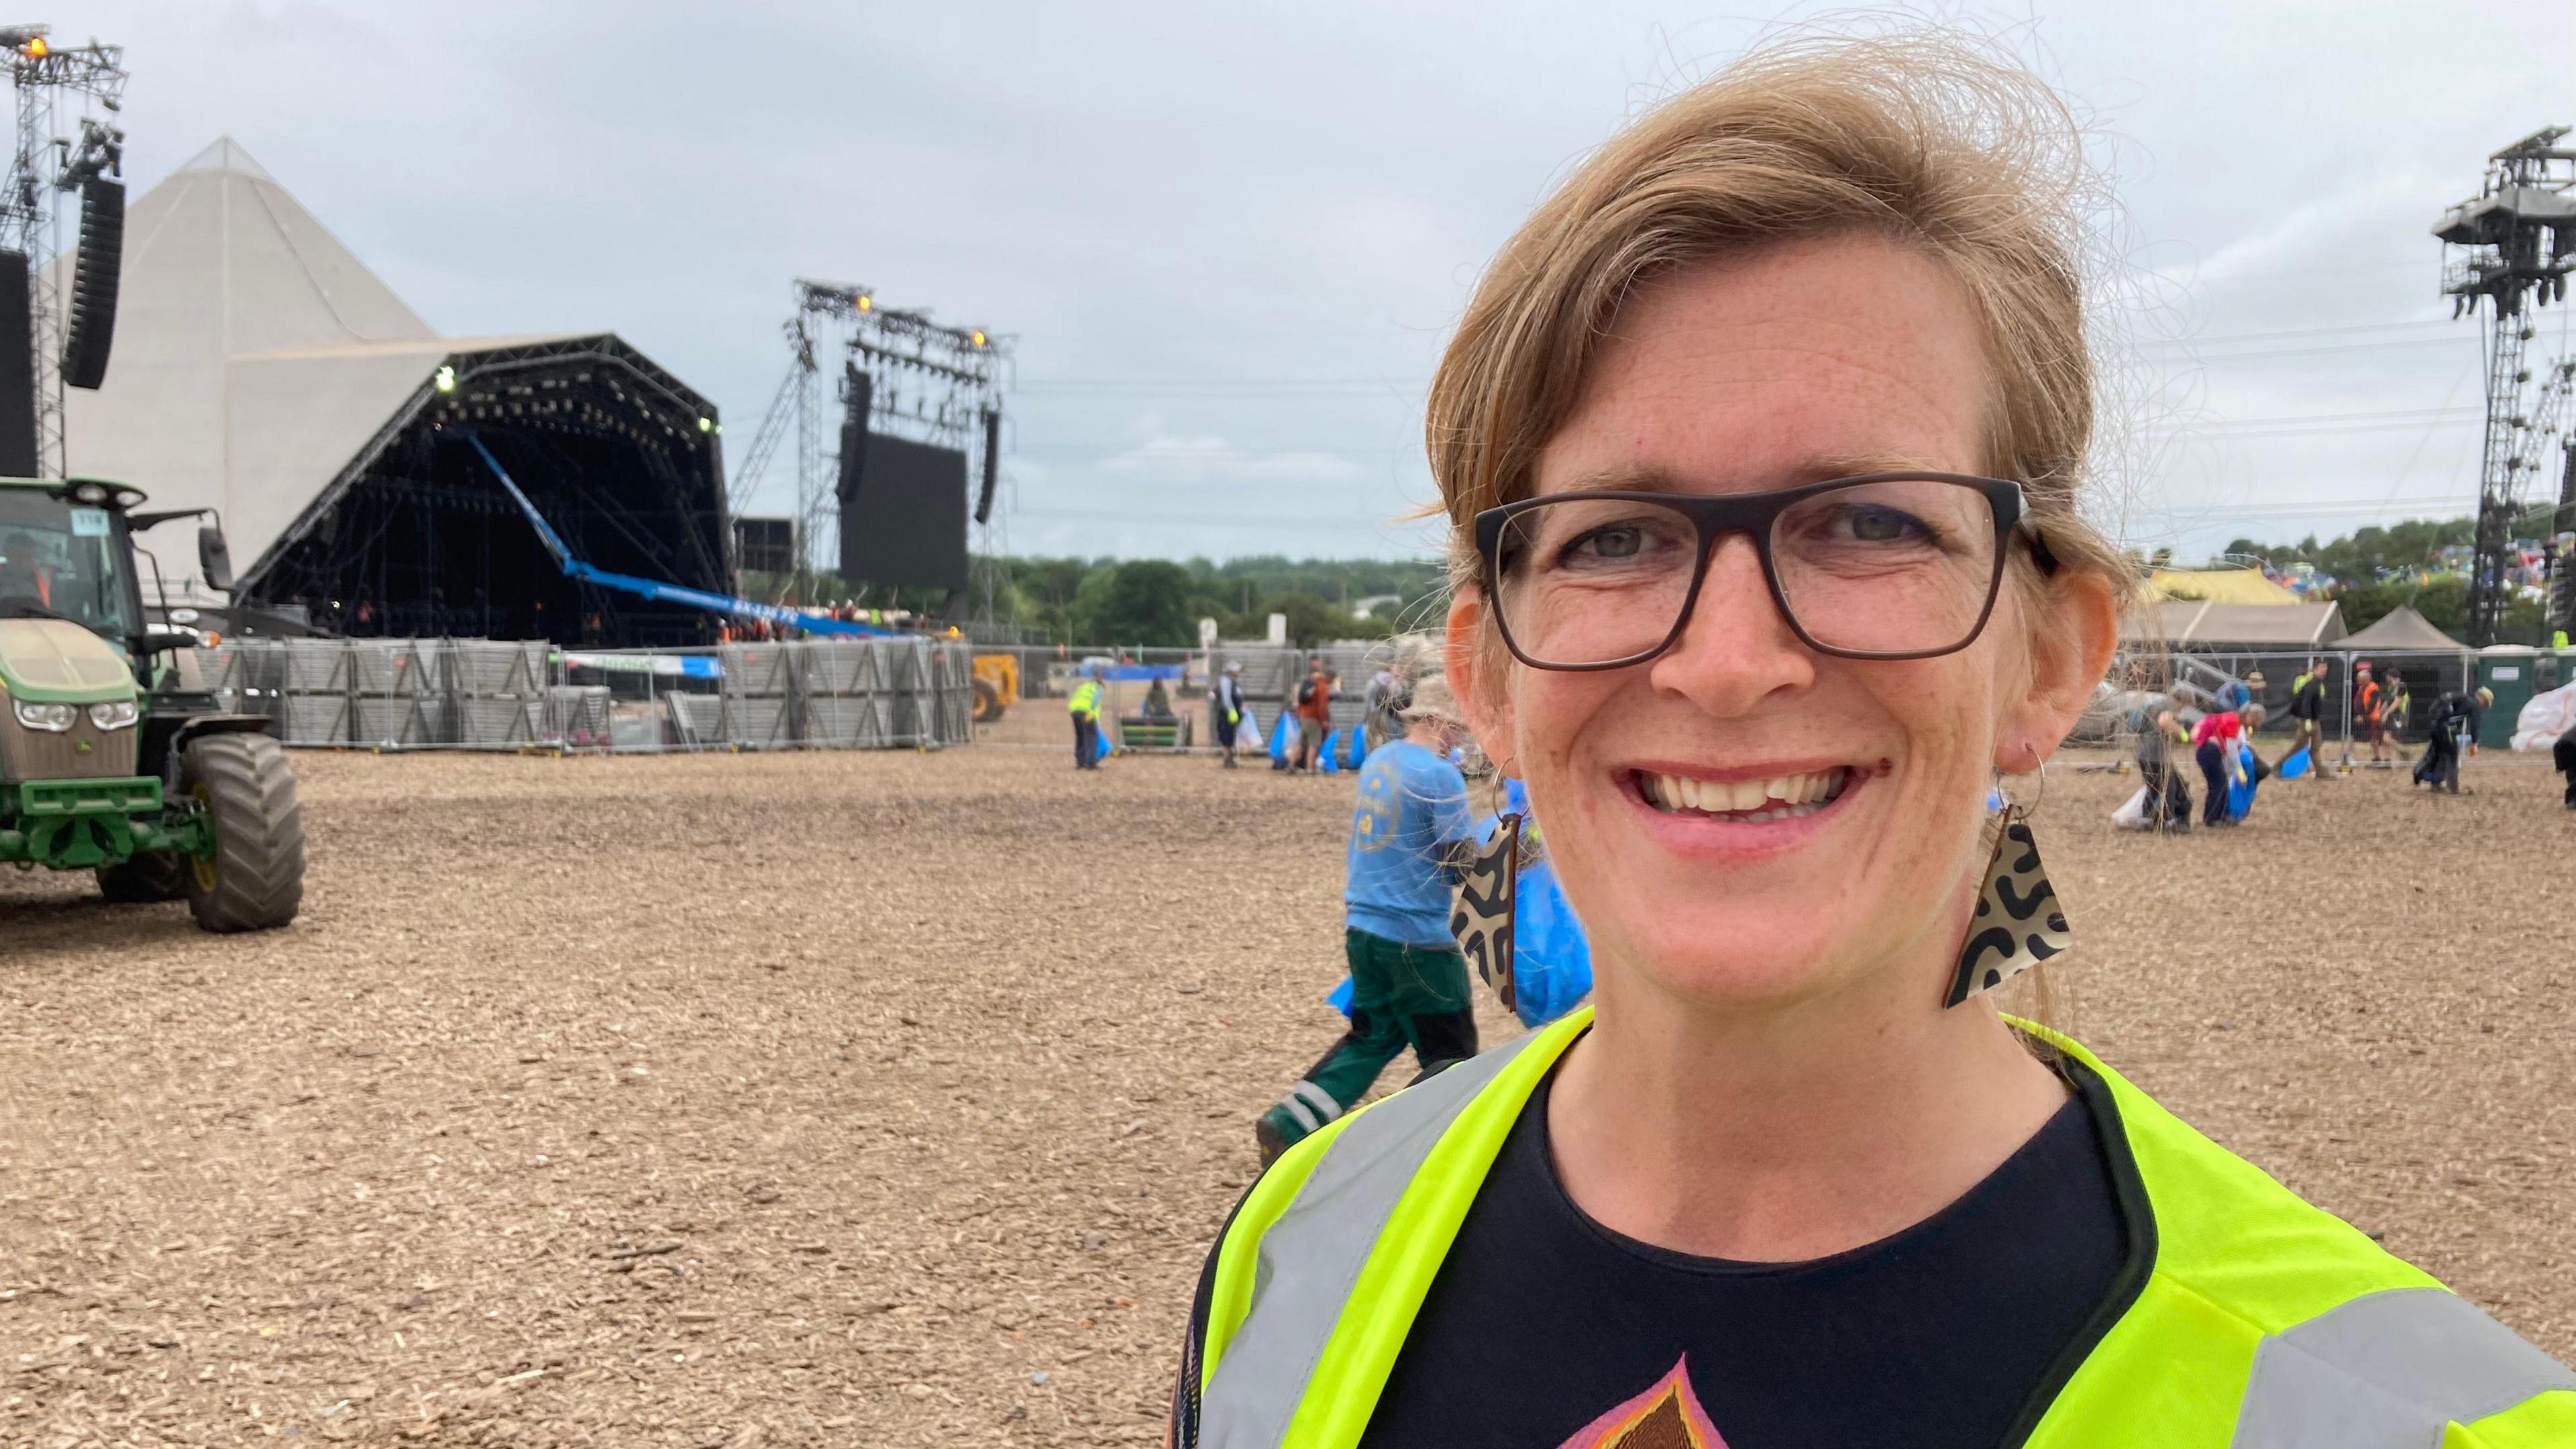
[263,371]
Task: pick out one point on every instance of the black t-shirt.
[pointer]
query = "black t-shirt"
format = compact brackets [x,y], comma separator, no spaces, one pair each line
[2310,700]
[1546,1330]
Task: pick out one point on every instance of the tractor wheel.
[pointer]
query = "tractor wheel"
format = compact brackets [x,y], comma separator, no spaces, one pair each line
[988,702]
[159,875]
[256,879]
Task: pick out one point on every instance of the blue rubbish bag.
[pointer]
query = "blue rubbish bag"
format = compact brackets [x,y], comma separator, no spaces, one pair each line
[2295,763]
[1283,741]
[2240,782]
[1551,957]
[1331,761]
[1355,750]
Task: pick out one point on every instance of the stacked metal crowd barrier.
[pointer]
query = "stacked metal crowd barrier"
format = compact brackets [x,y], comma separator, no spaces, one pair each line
[487,694]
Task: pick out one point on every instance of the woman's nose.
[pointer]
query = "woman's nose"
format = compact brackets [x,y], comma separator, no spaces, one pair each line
[1735,649]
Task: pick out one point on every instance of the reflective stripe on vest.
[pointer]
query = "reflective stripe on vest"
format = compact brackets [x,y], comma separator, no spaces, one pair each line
[2264,1323]
[2389,1371]
[1255,1388]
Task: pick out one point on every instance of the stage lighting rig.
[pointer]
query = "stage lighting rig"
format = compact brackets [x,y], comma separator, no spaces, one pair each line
[2509,250]
[907,375]
[66,146]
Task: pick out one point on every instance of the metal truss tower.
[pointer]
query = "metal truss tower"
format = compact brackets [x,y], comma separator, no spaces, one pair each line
[923,380]
[45,165]
[2510,249]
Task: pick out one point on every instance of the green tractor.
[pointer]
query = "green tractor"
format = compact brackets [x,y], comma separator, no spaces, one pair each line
[107,762]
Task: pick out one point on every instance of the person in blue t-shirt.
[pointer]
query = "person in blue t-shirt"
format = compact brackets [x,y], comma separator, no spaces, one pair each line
[1411,835]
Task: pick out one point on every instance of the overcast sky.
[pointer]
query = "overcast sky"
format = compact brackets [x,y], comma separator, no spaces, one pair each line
[1230,239]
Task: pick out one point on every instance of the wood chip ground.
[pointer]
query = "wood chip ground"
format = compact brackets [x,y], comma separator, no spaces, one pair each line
[892,1099]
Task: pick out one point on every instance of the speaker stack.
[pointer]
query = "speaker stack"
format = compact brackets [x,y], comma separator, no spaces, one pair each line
[91,325]
[17,370]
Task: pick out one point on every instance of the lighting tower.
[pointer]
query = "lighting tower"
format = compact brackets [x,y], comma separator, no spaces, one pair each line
[921,379]
[2511,247]
[45,165]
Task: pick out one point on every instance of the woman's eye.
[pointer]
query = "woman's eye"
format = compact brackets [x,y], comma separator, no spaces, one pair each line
[1610,543]
[1884,525]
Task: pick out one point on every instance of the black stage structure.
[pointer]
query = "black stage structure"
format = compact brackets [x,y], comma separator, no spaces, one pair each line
[414,538]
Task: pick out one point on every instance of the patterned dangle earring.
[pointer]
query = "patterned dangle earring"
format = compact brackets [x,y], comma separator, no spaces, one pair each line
[2018,923]
[1483,913]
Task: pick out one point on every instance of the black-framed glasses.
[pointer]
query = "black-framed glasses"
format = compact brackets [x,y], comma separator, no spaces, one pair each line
[1880,566]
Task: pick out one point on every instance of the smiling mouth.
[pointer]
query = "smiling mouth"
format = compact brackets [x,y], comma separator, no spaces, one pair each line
[1747,802]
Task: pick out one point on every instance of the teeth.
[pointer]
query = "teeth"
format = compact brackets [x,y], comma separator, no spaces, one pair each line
[1787,798]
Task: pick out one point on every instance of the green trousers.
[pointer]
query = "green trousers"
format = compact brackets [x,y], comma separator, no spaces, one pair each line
[1401,996]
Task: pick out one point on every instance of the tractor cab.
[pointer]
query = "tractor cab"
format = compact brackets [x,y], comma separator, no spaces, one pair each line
[65,554]
[105,764]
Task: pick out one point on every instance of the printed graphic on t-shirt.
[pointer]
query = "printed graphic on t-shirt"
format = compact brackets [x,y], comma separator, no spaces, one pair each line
[1666,1416]
[1373,822]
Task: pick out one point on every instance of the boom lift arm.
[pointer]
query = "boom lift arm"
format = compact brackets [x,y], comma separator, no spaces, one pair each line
[739,608]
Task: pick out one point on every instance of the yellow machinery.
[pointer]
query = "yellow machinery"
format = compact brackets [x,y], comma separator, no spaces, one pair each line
[997,685]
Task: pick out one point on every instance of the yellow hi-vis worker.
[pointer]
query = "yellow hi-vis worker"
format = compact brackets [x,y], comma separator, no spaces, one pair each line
[1084,706]
[2244,1319]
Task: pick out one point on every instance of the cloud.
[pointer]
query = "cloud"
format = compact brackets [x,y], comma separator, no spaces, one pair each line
[1214,460]
[1258,223]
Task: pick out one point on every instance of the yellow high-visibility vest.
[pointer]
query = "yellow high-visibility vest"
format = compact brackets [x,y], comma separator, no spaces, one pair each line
[1084,703]
[2262,1322]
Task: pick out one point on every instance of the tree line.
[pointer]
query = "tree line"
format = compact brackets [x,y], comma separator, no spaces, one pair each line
[2377,570]
[1157,602]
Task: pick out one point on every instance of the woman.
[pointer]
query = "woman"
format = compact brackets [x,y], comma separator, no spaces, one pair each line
[1794,1180]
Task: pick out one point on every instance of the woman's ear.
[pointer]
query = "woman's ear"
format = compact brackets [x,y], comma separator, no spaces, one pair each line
[2072,642]
[1474,678]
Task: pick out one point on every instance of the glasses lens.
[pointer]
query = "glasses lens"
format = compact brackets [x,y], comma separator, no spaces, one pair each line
[1896,566]
[1592,580]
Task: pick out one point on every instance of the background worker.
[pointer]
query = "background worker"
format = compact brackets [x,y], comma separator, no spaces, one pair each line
[1084,705]
[1225,703]
[2213,741]
[1314,714]
[22,576]
[1411,832]
[2455,721]
[1384,705]
[2307,716]
[2369,705]
[2159,730]
[2396,707]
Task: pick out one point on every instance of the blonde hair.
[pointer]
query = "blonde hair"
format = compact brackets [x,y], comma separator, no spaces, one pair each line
[1918,138]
